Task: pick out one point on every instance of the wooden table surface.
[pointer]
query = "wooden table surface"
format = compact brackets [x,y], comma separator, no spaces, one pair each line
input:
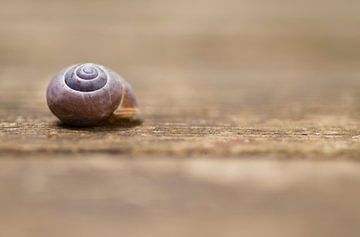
[249,126]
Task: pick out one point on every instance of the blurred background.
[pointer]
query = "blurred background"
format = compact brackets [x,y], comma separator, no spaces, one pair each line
[272,57]
[276,81]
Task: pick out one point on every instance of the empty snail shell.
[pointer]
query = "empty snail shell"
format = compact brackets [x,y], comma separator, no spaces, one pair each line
[88,94]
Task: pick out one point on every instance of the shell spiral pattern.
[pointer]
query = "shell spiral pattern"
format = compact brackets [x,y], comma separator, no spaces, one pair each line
[86,77]
[87,94]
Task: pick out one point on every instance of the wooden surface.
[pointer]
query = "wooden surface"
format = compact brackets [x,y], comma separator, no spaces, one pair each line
[250,122]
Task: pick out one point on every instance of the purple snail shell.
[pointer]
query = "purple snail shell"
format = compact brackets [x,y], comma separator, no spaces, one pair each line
[88,94]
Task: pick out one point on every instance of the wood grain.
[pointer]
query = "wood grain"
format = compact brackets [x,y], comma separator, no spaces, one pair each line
[249,125]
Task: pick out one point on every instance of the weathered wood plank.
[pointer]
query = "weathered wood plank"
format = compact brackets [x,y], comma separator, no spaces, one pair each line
[236,78]
[99,195]
[275,83]
[235,116]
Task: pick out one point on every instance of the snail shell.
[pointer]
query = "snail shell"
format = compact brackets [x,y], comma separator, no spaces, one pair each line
[87,94]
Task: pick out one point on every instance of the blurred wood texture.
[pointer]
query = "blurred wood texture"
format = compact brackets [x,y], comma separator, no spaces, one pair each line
[250,119]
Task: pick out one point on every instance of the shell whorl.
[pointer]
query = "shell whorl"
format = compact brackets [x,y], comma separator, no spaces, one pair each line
[86,77]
